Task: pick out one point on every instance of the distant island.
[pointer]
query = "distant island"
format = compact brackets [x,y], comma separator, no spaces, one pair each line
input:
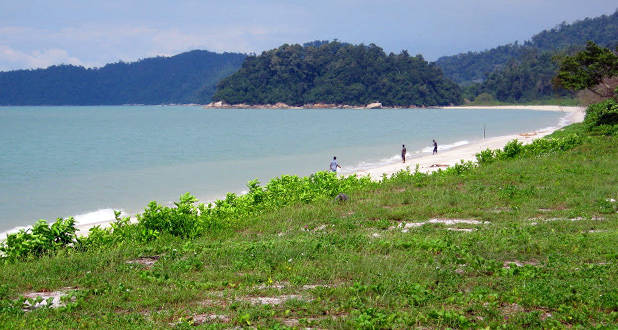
[338,73]
[184,78]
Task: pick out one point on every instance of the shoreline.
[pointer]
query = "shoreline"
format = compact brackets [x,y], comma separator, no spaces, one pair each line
[450,157]
[378,105]
[427,163]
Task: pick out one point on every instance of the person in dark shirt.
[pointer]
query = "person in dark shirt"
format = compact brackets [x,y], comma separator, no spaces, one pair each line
[435,147]
[403,152]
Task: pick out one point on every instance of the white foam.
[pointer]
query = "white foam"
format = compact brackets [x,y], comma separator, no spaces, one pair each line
[447,146]
[368,165]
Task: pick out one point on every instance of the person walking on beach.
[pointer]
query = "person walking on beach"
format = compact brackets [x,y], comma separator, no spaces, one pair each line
[403,152]
[435,147]
[334,165]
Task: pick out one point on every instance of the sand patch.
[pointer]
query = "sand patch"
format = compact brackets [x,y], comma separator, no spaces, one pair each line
[295,322]
[537,220]
[283,285]
[277,300]
[203,318]
[147,262]
[405,226]
[49,299]
[316,229]
[512,309]
[507,264]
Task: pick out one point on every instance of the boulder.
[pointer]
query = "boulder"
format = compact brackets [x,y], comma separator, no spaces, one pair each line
[375,105]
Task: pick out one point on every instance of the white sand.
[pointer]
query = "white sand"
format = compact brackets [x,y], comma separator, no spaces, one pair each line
[443,159]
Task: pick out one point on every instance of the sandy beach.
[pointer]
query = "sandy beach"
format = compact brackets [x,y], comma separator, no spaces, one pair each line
[427,163]
[443,159]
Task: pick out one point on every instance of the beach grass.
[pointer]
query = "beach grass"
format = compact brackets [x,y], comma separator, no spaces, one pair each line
[536,246]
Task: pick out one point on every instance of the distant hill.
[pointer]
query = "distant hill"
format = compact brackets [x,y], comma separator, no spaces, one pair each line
[339,73]
[185,78]
[472,67]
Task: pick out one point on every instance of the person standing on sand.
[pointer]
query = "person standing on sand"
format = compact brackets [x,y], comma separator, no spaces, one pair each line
[334,165]
[403,152]
[435,147]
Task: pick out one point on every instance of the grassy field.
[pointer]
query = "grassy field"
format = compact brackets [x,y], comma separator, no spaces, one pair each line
[536,245]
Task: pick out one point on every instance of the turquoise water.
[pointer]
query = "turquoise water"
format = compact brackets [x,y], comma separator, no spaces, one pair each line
[66,161]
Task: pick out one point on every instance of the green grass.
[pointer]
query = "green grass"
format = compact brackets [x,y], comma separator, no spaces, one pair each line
[345,266]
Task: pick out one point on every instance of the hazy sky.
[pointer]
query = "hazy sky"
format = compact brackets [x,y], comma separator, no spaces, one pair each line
[91,33]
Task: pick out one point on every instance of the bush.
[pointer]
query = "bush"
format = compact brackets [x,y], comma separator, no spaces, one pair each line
[41,239]
[538,147]
[602,117]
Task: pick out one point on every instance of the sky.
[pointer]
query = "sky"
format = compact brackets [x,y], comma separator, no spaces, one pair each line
[38,33]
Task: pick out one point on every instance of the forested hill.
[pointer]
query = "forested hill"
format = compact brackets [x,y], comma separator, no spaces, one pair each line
[475,66]
[185,78]
[339,73]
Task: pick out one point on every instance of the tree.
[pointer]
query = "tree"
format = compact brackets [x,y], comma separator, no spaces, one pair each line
[588,69]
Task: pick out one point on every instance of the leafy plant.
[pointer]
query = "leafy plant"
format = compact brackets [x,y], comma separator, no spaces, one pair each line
[39,240]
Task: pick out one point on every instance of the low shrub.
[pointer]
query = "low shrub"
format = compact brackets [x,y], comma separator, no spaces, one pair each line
[39,240]
[538,147]
[602,117]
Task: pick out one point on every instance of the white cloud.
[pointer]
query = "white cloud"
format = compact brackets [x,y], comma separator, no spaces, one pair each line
[96,45]
[14,59]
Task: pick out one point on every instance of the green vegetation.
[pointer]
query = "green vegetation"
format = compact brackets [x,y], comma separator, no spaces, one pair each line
[337,73]
[588,69]
[521,73]
[474,67]
[537,247]
[525,80]
[185,78]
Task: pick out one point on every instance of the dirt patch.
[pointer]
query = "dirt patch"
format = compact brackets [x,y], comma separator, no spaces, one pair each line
[447,222]
[147,262]
[537,220]
[507,264]
[283,285]
[278,300]
[512,309]
[276,285]
[500,210]
[54,299]
[315,286]
[203,318]
[318,228]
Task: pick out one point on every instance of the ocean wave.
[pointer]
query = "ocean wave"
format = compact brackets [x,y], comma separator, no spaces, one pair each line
[446,146]
[367,165]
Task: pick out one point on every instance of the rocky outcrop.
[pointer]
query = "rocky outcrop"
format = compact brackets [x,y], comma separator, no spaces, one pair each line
[375,105]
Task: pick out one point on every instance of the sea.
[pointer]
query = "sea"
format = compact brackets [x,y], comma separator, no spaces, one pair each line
[61,161]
